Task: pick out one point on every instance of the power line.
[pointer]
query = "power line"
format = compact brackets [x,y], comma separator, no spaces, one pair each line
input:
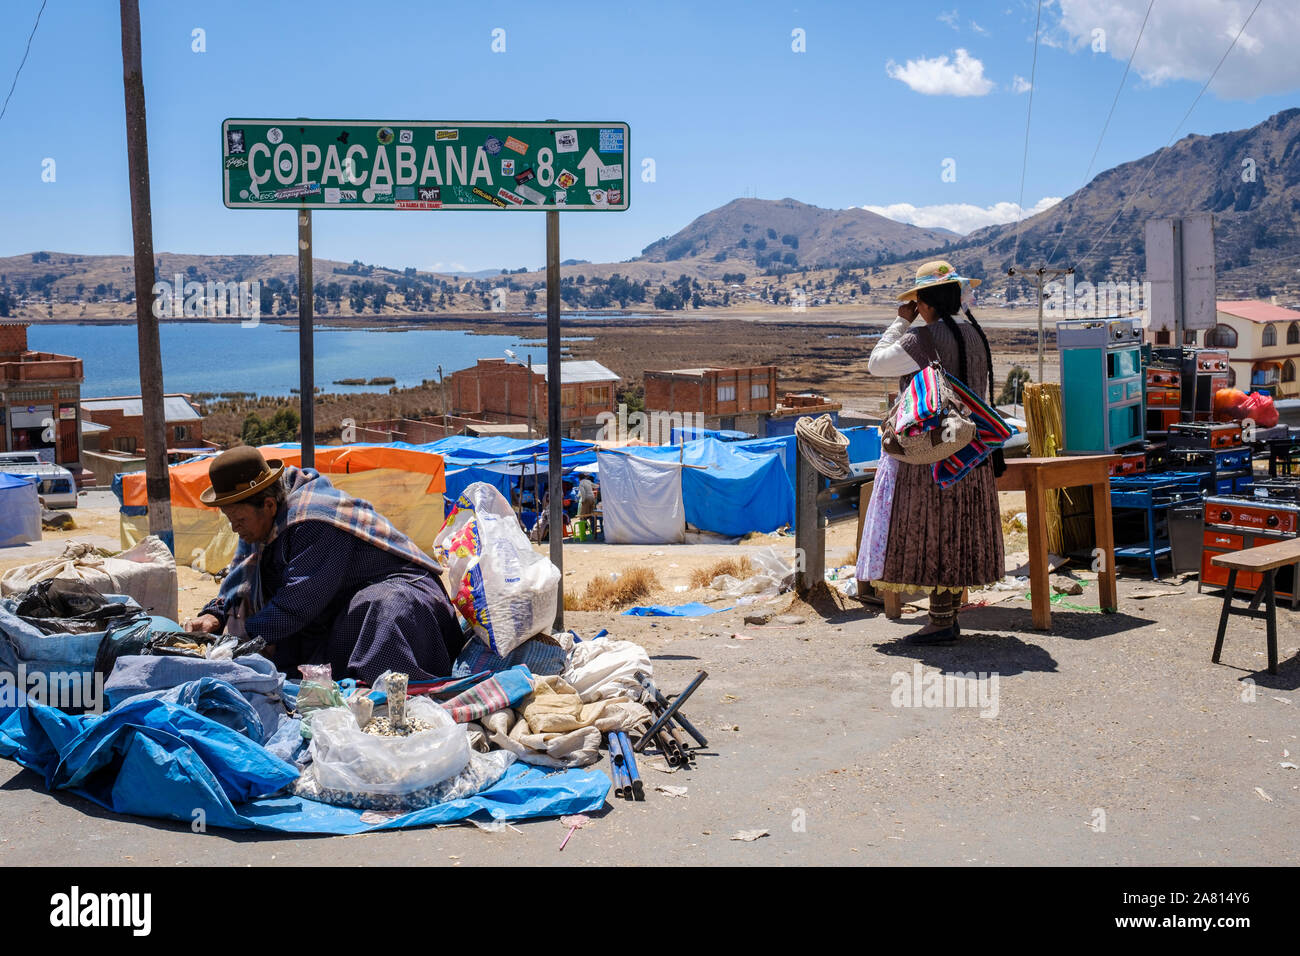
[13,85]
[1024,163]
[1105,126]
[1161,153]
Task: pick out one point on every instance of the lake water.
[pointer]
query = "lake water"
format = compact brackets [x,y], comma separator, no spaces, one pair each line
[204,357]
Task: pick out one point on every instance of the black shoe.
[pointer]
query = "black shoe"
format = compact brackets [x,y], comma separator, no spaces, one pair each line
[946,636]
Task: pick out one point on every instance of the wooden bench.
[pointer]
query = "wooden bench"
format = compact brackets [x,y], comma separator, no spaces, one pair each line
[1263,560]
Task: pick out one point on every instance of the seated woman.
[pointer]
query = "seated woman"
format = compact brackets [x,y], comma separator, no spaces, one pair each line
[323,577]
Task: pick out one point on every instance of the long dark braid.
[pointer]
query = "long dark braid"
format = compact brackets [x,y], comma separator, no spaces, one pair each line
[987,351]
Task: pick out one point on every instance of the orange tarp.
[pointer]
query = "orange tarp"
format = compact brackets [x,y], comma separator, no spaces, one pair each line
[190,480]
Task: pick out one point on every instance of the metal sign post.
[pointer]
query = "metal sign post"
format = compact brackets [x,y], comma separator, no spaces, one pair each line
[554,440]
[1039,273]
[550,167]
[306,356]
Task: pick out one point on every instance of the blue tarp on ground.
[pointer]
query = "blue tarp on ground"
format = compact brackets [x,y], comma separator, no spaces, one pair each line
[153,758]
[729,490]
[693,609]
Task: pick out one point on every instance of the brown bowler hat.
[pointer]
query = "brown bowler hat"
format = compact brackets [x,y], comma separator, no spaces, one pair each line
[238,474]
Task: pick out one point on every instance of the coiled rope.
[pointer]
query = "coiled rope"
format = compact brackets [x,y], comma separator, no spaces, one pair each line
[825,446]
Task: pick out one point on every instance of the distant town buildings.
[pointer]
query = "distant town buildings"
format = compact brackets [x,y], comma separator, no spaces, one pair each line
[740,398]
[124,417]
[40,399]
[1263,345]
[496,390]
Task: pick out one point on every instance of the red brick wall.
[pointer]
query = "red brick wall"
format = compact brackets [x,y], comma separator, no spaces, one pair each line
[498,390]
[122,426]
[668,392]
[13,338]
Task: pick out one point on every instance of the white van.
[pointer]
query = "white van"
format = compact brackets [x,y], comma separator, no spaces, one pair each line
[56,485]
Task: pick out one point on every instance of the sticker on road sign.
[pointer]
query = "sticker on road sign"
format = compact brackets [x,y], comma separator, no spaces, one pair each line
[235,141]
[507,167]
[524,176]
[597,197]
[489,197]
[610,172]
[566,141]
[614,196]
[385,135]
[565,179]
[531,194]
[405,137]
[510,197]
[561,197]
[492,145]
[519,146]
[430,193]
[446,134]
[611,141]
[274,136]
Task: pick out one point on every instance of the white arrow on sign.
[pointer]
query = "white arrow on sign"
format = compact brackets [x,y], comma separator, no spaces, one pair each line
[590,165]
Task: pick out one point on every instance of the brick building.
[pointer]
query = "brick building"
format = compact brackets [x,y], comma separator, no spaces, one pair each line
[796,405]
[124,416]
[497,390]
[40,399]
[727,398]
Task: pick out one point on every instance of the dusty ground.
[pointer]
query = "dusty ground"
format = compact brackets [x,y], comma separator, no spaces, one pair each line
[1115,741]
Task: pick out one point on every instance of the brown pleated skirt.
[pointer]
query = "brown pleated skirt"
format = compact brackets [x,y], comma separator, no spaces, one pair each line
[943,538]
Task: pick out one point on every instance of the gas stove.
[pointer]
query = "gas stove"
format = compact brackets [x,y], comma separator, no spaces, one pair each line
[1236,522]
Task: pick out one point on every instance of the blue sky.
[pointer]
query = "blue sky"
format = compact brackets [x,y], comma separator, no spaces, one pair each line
[716,95]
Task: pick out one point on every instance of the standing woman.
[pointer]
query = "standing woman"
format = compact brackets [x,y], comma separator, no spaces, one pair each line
[941,540]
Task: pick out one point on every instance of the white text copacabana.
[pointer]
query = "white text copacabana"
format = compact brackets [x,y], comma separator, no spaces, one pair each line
[381,168]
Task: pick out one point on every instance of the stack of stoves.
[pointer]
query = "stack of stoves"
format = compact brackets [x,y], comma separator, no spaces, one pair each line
[1234,522]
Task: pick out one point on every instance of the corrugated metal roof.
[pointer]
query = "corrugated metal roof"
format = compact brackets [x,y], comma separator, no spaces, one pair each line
[575,373]
[175,408]
[1253,310]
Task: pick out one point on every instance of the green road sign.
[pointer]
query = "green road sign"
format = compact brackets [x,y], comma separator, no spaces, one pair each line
[363,164]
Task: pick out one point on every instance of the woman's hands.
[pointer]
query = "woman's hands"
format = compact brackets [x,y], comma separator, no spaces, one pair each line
[907,311]
[203,624]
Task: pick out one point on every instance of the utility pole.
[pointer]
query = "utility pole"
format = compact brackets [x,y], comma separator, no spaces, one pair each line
[531,390]
[157,479]
[1039,273]
[554,388]
[442,387]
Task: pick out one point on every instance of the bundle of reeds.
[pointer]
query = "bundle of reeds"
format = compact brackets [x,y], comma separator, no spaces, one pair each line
[1069,510]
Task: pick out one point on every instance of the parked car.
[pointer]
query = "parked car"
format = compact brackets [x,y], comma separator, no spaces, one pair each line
[56,484]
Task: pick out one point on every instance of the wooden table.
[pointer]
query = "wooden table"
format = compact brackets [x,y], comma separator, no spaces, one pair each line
[1035,477]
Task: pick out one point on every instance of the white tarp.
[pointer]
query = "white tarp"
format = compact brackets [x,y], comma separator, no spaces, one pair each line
[641,500]
[20,511]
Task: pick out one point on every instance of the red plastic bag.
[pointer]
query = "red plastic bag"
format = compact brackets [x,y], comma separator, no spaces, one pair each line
[1259,408]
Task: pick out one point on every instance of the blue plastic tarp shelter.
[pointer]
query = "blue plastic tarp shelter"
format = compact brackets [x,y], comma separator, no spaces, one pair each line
[729,490]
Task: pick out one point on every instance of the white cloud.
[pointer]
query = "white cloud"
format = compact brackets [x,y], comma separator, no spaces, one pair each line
[1184,41]
[949,18]
[978,29]
[959,217]
[1020,85]
[963,76]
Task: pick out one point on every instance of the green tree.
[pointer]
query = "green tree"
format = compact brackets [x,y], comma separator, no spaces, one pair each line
[1014,387]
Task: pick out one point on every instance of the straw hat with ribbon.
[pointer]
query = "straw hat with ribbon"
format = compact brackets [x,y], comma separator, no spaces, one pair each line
[934,273]
[238,474]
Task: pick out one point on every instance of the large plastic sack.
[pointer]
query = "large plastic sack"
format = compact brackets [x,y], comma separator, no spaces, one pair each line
[345,758]
[146,572]
[504,588]
[607,668]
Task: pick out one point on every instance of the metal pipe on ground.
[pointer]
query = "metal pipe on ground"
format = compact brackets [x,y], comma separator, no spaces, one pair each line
[670,710]
[679,717]
[622,783]
[629,764]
